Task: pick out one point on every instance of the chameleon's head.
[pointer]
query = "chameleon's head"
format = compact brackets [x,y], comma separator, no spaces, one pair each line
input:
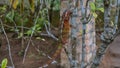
[66,15]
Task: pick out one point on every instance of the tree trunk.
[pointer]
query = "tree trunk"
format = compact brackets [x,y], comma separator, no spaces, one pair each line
[81,47]
[110,23]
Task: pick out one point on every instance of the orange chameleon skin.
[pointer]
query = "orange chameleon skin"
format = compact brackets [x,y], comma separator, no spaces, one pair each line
[65,35]
[66,26]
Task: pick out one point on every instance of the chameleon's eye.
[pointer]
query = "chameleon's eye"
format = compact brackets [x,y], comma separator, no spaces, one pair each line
[66,15]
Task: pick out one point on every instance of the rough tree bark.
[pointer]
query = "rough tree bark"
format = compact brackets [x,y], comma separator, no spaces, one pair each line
[81,47]
[110,22]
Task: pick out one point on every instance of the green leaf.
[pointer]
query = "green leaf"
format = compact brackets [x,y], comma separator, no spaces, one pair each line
[56,5]
[3,8]
[10,16]
[38,28]
[20,35]
[26,20]
[101,9]
[4,63]
[95,15]
[92,6]
[29,32]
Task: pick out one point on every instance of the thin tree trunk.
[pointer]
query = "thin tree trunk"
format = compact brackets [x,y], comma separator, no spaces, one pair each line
[81,48]
[110,23]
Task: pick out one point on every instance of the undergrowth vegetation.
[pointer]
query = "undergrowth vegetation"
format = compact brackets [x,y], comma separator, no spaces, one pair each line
[17,16]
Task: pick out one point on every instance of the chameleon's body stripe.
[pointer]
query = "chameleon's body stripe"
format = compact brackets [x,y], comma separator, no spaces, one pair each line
[65,35]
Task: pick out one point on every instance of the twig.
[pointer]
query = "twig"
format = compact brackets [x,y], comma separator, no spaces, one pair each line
[30,40]
[49,33]
[16,26]
[47,29]
[9,48]
[32,32]
[42,52]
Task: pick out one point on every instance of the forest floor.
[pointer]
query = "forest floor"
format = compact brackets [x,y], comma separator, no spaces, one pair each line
[112,56]
[47,46]
[35,55]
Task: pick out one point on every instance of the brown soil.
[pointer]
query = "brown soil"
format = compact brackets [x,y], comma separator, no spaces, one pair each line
[34,57]
[112,56]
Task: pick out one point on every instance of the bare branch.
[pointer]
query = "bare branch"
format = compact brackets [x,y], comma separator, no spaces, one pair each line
[9,48]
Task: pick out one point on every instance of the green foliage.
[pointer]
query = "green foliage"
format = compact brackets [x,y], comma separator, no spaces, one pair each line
[99,3]
[95,15]
[10,16]
[15,17]
[3,8]
[20,35]
[56,4]
[94,8]
[40,23]
[101,9]
[37,28]
[4,63]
